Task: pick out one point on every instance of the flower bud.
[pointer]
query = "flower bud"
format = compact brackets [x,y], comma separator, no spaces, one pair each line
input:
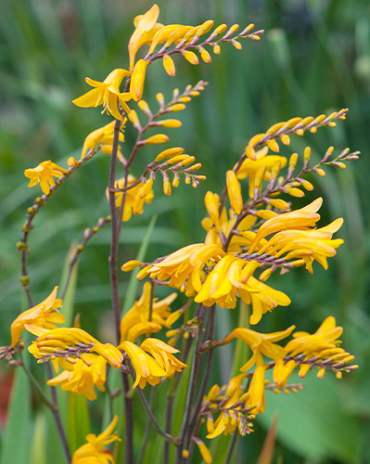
[169,65]
[171,123]
[280,204]
[130,265]
[156,139]
[293,161]
[169,153]
[167,189]
[178,107]
[191,57]
[216,49]
[72,162]
[307,154]
[160,99]
[206,57]
[138,79]
[234,192]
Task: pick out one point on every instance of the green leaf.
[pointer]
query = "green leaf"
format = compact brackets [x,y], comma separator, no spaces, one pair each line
[312,422]
[17,438]
[78,423]
[38,448]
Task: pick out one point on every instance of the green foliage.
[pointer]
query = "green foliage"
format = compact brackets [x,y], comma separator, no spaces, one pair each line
[314,58]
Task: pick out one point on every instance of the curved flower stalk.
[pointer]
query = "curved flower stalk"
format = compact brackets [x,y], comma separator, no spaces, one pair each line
[93,451]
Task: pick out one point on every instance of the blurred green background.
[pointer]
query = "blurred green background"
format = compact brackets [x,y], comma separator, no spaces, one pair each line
[314,58]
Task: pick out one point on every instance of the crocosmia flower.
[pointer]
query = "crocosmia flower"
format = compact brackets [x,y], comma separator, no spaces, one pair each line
[93,451]
[43,175]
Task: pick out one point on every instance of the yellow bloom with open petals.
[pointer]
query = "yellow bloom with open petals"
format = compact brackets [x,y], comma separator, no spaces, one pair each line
[164,355]
[43,174]
[250,167]
[107,93]
[134,201]
[218,223]
[145,367]
[146,27]
[261,344]
[93,452]
[232,277]
[61,339]
[136,321]
[301,219]
[83,377]
[186,264]
[309,245]
[323,344]
[42,316]
[104,135]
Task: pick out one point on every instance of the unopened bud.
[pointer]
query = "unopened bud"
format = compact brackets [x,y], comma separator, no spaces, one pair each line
[167,189]
[206,57]
[178,107]
[169,153]
[191,57]
[72,162]
[216,49]
[156,139]
[293,160]
[169,65]
[160,99]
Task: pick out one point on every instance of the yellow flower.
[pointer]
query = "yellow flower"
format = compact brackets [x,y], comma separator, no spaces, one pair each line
[145,29]
[145,367]
[234,191]
[93,452]
[134,201]
[232,277]
[163,354]
[136,321]
[83,377]
[228,422]
[103,135]
[138,79]
[63,338]
[41,316]
[250,167]
[185,264]
[107,93]
[261,344]
[43,174]
[300,219]
[257,390]
[219,223]
[322,344]
[309,245]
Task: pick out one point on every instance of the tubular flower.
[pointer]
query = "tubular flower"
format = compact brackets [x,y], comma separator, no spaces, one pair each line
[57,361]
[250,167]
[107,94]
[301,219]
[43,175]
[42,316]
[134,199]
[83,377]
[145,29]
[261,344]
[59,340]
[136,321]
[145,367]
[309,245]
[163,354]
[185,264]
[93,451]
[219,223]
[232,277]
[103,136]
[322,344]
